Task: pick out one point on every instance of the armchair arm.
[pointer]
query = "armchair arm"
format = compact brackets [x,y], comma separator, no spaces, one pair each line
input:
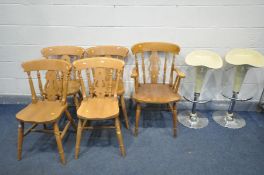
[179,73]
[134,75]
[177,80]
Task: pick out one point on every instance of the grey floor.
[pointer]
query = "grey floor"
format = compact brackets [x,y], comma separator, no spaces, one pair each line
[213,150]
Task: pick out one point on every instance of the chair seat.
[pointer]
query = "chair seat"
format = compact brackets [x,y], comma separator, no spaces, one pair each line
[98,108]
[41,112]
[156,93]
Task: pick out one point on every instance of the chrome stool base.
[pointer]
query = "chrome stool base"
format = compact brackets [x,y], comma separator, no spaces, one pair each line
[185,119]
[222,118]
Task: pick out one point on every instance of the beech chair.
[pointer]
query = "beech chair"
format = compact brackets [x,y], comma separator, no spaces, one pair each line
[48,108]
[101,103]
[242,60]
[69,54]
[154,91]
[117,52]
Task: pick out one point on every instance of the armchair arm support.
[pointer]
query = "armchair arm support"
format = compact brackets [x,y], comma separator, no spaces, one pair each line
[134,75]
[177,80]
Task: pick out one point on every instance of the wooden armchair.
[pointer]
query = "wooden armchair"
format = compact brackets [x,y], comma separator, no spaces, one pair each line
[102,101]
[51,105]
[69,54]
[155,92]
[117,52]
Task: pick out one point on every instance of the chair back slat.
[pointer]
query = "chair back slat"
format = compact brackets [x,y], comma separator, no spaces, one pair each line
[55,70]
[171,71]
[143,67]
[136,62]
[40,85]
[88,75]
[102,69]
[165,68]
[65,80]
[154,67]
[82,84]
[109,79]
[32,89]
[118,78]
[156,51]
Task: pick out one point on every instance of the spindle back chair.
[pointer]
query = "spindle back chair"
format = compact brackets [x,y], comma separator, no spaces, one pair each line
[50,104]
[117,52]
[159,88]
[101,103]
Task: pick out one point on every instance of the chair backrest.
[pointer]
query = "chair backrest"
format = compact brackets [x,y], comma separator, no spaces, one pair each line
[100,82]
[63,52]
[67,53]
[107,51]
[154,50]
[56,76]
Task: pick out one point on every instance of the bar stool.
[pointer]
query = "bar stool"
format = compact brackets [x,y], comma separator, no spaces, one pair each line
[243,60]
[202,60]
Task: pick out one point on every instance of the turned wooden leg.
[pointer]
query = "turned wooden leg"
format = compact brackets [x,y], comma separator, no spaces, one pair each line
[138,110]
[59,143]
[119,137]
[78,138]
[20,140]
[76,101]
[174,116]
[69,117]
[123,105]
[80,95]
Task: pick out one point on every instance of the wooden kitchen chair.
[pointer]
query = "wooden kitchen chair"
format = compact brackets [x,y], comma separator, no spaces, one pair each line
[102,101]
[117,52]
[69,54]
[48,108]
[154,91]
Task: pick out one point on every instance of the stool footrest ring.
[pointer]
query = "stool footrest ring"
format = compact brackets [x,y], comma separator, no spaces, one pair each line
[231,98]
[197,101]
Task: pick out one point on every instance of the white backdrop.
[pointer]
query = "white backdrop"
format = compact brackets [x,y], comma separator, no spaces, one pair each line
[26,26]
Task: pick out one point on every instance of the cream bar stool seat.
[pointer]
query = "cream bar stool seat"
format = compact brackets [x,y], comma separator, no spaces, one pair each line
[243,60]
[202,60]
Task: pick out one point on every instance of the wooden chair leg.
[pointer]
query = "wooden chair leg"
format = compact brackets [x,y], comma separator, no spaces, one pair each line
[174,116]
[80,95]
[59,143]
[76,102]
[138,110]
[78,138]
[20,140]
[69,117]
[119,137]
[123,105]
[45,126]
